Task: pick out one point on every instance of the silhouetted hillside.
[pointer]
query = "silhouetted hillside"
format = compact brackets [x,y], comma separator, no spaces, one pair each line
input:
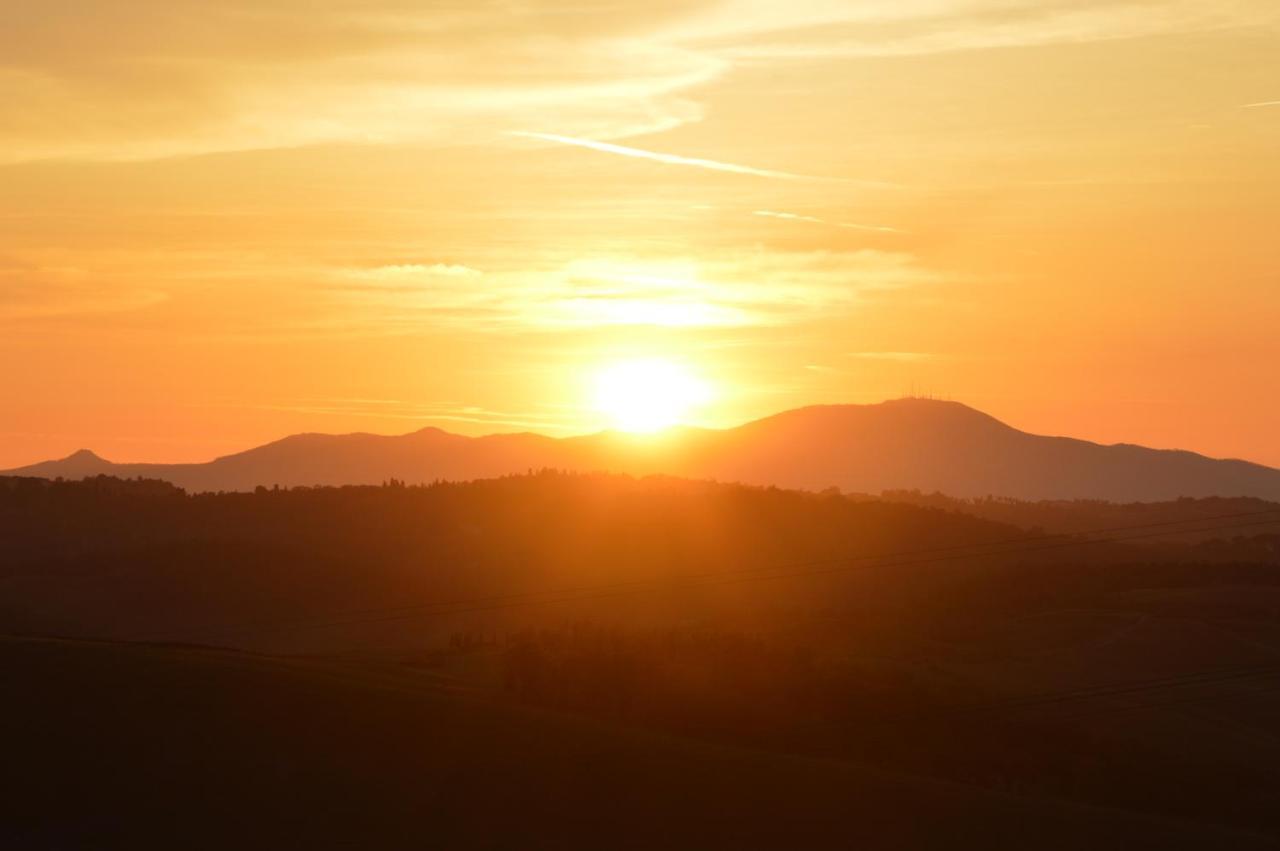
[111,558]
[578,611]
[78,465]
[1081,515]
[909,444]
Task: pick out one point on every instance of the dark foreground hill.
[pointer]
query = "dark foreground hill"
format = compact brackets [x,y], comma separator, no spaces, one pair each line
[122,559]
[142,747]
[1130,675]
[909,444]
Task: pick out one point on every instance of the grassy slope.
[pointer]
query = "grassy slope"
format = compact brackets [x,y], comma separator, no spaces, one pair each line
[145,746]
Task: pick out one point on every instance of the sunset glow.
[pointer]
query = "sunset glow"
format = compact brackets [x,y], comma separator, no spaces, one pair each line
[694,424]
[645,396]
[223,223]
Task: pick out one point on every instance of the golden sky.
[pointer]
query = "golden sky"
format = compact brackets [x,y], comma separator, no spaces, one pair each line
[221,223]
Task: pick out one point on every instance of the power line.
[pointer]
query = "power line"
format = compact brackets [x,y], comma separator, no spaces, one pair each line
[963,712]
[1134,687]
[1185,701]
[1101,692]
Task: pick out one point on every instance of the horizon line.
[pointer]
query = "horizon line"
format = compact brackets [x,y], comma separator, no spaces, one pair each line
[630,435]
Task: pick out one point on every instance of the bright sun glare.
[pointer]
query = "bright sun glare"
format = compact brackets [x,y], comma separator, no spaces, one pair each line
[647,395]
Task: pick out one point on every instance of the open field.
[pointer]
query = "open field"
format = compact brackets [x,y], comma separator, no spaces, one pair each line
[123,746]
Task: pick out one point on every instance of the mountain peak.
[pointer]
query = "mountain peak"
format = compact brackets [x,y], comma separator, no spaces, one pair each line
[911,411]
[937,406]
[903,444]
[925,401]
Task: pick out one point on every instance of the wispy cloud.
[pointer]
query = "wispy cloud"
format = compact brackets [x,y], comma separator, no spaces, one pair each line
[388,409]
[717,291]
[408,274]
[411,270]
[672,159]
[145,79]
[905,357]
[43,293]
[805,30]
[796,217]
[149,79]
[1261,104]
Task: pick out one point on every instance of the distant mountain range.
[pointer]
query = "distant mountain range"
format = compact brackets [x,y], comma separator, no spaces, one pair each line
[904,444]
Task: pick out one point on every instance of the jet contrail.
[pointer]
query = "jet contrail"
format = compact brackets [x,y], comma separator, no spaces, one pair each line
[796,217]
[675,159]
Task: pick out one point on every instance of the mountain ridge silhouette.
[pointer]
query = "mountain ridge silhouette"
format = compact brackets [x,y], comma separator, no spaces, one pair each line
[903,444]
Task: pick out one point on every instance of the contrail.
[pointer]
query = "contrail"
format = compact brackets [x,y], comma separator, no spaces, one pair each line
[1261,103]
[676,159]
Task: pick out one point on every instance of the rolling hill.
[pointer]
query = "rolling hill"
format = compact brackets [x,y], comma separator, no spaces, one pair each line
[904,444]
[163,747]
[548,656]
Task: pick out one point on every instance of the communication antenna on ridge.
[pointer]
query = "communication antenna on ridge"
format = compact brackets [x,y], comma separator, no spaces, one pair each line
[915,391]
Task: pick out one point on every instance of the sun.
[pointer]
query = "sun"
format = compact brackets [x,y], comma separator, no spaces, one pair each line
[647,395]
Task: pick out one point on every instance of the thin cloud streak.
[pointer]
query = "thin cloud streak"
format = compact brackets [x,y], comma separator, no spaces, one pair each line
[906,357]
[421,414]
[676,159]
[796,217]
[1261,104]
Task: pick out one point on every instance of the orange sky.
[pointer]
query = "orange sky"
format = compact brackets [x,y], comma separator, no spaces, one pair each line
[223,223]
